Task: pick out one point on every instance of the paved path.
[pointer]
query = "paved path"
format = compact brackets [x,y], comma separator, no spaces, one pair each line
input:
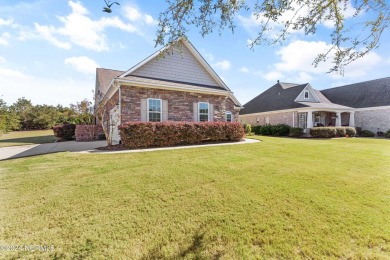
[246,141]
[87,147]
[37,149]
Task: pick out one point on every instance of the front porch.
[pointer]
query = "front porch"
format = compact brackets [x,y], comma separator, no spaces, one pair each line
[315,118]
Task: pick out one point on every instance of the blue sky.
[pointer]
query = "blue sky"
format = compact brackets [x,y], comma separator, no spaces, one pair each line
[49,50]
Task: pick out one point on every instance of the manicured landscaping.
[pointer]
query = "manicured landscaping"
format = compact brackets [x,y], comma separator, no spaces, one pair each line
[281,198]
[26,137]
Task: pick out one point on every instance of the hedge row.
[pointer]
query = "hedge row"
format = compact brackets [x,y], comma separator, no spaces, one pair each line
[64,132]
[387,134]
[276,130]
[329,132]
[151,134]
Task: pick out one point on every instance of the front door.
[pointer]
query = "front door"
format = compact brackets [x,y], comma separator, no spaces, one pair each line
[114,123]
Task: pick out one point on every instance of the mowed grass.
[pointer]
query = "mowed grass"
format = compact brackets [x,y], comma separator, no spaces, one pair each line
[281,199]
[26,137]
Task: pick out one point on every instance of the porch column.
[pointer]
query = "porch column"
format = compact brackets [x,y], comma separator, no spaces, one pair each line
[352,119]
[309,119]
[338,119]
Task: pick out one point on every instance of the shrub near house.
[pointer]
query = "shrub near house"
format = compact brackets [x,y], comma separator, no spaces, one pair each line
[150,134]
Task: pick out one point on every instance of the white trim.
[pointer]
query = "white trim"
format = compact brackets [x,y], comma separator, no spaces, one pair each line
[147,108]
[309,88]
[208,111]
[120,105]
[231,116]
[371,108]
[306,91]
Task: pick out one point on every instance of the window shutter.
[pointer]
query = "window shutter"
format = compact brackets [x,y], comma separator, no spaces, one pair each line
[164,110]
[211,113]
[232,117]
[195,112]
[144,110]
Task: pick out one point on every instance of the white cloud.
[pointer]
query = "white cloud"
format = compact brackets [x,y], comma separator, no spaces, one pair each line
[6,21]
[79,29]
[149,20]
[132,13]
[4,37]
[46,33]
[244,69]
[296,63]
[64,91]
[254,22]
[208,56]
[83,64]
[223,65]
[272,75]
[135,15]
[2,60]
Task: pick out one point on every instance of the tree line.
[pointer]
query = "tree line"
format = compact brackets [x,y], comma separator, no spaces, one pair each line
[23,115]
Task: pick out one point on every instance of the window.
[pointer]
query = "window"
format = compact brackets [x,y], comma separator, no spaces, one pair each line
[203,111]
[228,115]
[154,110]
[306,94]
[302,120]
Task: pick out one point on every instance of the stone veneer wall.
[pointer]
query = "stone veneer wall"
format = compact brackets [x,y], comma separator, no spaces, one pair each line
[180,104]
[373,119]
[274,119]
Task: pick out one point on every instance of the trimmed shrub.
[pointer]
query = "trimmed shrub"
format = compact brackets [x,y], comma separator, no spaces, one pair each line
[323,132]
[340,132]
[367,133]
[296,132]
[256,129]
[247,128]
[387,134]
[280,130]
[358,130]
[350,131]
[150,134]
[64,132]
[266,130]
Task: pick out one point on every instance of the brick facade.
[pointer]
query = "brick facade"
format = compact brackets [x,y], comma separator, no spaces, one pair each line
[373,120]
[273,118]
[88,132]
[180,103]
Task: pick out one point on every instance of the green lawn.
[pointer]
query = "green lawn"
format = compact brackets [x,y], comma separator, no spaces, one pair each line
[281,198]
[27,137]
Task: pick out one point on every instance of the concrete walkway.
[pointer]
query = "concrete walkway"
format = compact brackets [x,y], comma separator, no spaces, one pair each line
[37,149]
[88,147]
[246,141]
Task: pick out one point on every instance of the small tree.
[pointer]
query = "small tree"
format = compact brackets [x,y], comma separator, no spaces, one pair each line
[103,114]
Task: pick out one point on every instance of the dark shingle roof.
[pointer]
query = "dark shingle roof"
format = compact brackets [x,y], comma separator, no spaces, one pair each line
[274,98]
[371,93]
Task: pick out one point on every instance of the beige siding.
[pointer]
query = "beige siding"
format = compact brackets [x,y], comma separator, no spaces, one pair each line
[273,118]
[373,120]
[177,66]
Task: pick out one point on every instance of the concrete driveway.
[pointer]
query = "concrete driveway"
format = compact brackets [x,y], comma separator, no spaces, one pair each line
[37,149]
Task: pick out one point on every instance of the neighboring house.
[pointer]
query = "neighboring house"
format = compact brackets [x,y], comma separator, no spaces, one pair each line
[365,105]
[173,84]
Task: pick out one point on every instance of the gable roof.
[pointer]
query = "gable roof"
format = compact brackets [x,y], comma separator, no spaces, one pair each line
[278,97]
[371,93]
[188,67]
[104,78]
